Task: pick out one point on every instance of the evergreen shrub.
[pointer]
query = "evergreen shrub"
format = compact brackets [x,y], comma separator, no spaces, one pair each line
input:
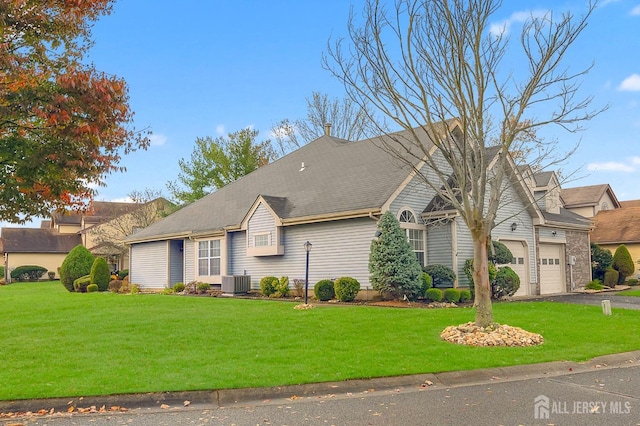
[268,285]
[100,273]
[442,275]
[77,264]
[434,295]
[92,288]
[28,273]
[324,290]
[346,289]
[452,295]
[506,284]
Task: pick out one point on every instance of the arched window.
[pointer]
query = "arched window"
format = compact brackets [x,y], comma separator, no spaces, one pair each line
[415,233]
[605,206]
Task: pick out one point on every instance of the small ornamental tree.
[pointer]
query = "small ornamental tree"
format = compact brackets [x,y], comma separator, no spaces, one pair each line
[100,274]
[623,263]
[601,259]
[77,264]
[393,266]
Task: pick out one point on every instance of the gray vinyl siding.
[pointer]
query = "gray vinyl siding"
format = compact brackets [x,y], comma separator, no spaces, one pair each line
[149,265]
[547,233]
[439,247]
[417,194]
[340,248]
[465,250]
[261,222]
[189,260]
[176,262]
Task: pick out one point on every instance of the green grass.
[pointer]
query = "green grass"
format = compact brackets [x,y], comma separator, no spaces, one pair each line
[56,343]
[635,293]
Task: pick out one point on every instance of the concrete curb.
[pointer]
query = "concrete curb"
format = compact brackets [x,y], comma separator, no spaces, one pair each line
[226,397]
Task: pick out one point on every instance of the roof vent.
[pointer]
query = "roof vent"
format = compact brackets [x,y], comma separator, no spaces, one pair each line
[327,129]
[302,167]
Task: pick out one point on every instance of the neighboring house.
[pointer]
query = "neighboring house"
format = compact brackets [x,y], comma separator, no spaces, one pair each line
[48,245]
[587,201]
[331,192]
[619,226]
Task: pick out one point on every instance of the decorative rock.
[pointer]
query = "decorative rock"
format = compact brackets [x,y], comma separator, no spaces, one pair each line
[494,335]
[303,306]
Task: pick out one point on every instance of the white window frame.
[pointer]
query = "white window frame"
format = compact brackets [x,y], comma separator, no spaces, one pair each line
[408,213]
[259,236]
[210,257]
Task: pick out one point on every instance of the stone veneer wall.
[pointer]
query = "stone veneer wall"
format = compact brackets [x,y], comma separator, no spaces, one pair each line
[578,246]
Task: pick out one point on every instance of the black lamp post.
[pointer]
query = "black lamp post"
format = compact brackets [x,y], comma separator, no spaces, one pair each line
[307,248]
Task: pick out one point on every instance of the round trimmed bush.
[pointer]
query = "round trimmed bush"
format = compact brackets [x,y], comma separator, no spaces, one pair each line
[268,285]
[506,284]
[434,295]
[501,254]
[92,288]
[346,289]
[442,275]
[611,277]
[465,296]
[100,273]
[178,287]
[77,264]
[452,295]
[324,290]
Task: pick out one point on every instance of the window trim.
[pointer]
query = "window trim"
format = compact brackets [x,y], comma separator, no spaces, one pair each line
[209,257]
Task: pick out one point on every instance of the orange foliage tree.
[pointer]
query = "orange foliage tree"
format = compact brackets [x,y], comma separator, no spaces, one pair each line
[63,124]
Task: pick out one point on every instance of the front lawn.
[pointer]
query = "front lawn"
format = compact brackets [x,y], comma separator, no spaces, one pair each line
[635,293]
[56,343]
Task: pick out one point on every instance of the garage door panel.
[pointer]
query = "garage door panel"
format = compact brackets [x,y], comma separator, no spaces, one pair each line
[552,274]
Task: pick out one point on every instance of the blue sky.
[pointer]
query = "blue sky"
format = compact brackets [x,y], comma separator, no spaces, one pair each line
[200,68]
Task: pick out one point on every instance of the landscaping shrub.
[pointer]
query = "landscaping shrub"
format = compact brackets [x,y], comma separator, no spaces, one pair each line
[50,274]
[167,290]
[594,285]
[100,273]
[393,265]
[427,283]
[632,282]
[2,272]
[501,254]
[623,263]
[468,271]
[77,264]
[80,284]
[92,288]
[203,287]
[268,285]
[346,289]
[452,295]
[611,277]
[282,287]
[178,287]
[135,289]
[123,273]
[465,295]
[434,295]
[600,259]
[28,273]
[442,275]
[115,286]
[324,290]
[506,284]
[298,285]
[125,287]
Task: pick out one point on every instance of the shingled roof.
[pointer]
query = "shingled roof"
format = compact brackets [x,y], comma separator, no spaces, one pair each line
[618,226]
[37,240]
[585,196]
[328,176]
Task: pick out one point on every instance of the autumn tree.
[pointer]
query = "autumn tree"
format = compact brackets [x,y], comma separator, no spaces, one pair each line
[438,68]
[217,162]
[348,121]
[63,124]
[147,207]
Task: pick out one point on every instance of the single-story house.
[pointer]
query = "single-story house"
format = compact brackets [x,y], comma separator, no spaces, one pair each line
[331,192]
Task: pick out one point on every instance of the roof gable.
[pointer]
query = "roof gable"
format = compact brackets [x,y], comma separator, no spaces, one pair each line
[586,196]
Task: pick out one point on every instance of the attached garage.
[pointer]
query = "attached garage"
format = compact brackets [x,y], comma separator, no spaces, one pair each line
[520,264]
[552,271]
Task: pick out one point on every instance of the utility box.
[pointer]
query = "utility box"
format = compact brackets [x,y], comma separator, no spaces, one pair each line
[236,284]
[572,260]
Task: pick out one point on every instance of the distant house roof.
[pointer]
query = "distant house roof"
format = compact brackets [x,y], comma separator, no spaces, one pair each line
[587,196]
[37,240]
[618,226]
[326,177]
[630,203]
[99,211]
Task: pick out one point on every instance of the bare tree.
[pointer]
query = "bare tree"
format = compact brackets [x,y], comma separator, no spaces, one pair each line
[348,120]
[147,207]
[436,67]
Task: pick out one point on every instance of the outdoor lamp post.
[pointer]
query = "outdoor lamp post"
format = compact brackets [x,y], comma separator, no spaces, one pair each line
[307,248]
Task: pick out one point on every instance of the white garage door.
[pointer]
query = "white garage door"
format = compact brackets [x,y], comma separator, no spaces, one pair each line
[552,269]
[520,264]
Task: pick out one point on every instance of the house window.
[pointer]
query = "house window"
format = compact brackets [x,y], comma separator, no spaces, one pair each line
[415,233]
[209,258]
[261,240]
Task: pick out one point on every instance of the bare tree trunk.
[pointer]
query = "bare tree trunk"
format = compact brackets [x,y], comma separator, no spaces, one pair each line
[482,300]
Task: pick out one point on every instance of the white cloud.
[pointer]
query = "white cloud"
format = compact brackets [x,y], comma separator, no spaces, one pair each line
[503,28]
[635,161]
[636,11]
[630,84]
[611,166]
[220,130]
[157,139]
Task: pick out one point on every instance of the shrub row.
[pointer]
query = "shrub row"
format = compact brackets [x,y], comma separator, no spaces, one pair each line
[28,273]
[451,295]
